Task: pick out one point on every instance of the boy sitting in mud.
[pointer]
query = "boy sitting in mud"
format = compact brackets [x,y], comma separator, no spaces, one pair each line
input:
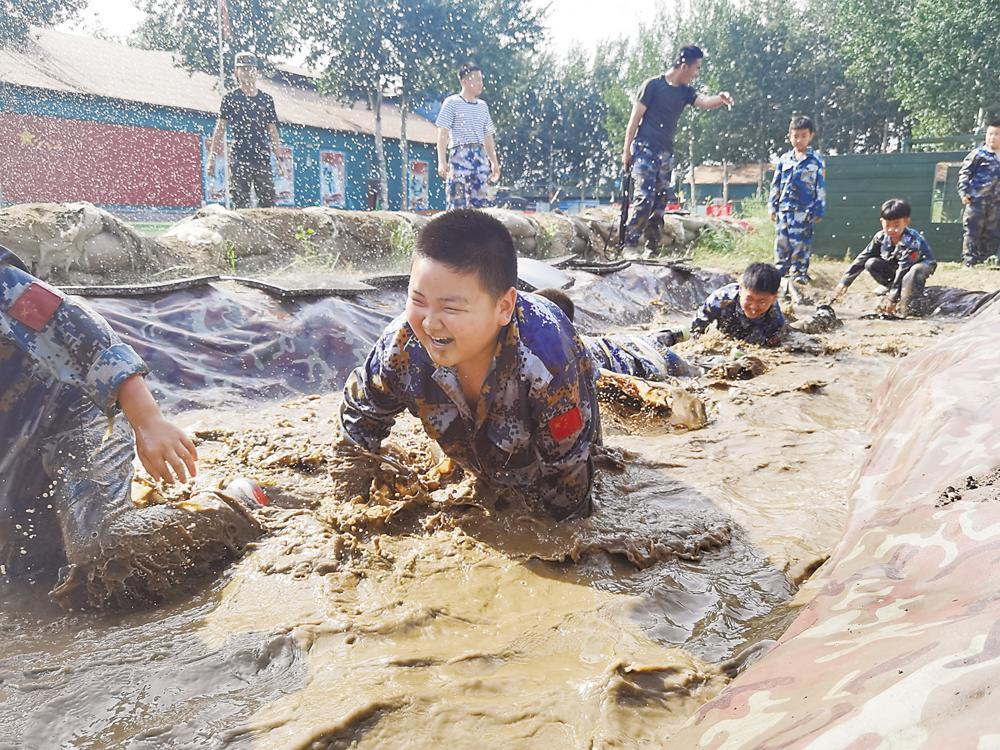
[747,310]
[499,379]
[66,461]
[647,356]
[898,258]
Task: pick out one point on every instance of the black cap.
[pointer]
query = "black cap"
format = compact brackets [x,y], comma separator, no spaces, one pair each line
[246,60]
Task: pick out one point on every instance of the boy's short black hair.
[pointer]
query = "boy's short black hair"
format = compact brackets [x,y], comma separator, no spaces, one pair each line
[801,122]
[467,68]
[687,55]
[762,277]
[560,299]
[993,124]
[895,208]
[470,241]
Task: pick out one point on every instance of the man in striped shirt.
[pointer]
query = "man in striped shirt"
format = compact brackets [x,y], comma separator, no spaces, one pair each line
[467,154]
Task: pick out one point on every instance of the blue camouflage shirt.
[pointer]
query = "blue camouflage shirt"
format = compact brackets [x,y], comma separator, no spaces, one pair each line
[535,419]
[723,307]
[979,176]
[53,350]
[799,186]
[911,249]
[645,356]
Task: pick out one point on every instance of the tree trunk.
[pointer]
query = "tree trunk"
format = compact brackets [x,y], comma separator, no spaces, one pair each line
[404,154]
[383,170]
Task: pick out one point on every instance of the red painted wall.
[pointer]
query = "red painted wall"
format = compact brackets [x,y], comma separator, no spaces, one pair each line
[52,159]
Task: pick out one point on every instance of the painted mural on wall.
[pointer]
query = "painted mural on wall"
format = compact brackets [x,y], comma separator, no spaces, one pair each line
[55,159]
[332,179]
[214,183]
[420,196]
[284,178]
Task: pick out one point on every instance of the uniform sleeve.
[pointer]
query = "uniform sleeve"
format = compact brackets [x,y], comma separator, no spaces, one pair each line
[708,313]
[370,406]
[858,264]
[774,196]
[446,117]
[567,420]
[490,127]
[690,94]
[965,174]
[818,207]
[646,93]
[65,338]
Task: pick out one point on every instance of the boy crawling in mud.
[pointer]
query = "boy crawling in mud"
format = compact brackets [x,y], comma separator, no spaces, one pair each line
[647,356]
[499,379]
[66,461]
[747,310]
[898,258]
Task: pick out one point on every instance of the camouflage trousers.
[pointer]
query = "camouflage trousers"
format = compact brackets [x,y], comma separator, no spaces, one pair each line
[66,506]
[651,188]
[468,175]
[793,243]
[981,222]
[911,298]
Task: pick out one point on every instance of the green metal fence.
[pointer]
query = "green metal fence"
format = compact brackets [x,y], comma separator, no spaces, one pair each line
[857,185]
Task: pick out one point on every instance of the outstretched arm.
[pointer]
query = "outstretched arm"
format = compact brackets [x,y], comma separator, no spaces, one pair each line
[713,102]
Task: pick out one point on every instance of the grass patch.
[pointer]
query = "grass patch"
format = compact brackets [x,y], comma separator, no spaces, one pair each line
[734,249]
[151,228]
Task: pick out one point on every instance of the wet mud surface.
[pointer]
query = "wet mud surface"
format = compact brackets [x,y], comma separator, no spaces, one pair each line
[394,603]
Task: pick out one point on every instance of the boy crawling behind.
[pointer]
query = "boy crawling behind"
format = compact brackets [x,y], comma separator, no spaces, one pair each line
[500,380]
[647,355]
[748,310]
[898,258]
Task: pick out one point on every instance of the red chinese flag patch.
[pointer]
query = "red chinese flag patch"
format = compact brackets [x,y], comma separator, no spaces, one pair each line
[914,256]
[36,306]
[565,424]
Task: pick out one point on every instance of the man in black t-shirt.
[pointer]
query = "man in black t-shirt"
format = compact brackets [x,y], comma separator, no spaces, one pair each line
[649,143]
[250,113]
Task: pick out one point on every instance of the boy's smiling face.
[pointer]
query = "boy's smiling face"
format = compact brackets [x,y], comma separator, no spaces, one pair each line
[993,138]
[455,319]
[755,303]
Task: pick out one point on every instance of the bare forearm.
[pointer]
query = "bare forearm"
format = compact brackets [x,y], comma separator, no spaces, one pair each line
[442,146]
[137,402]
[491,150]
[272,129]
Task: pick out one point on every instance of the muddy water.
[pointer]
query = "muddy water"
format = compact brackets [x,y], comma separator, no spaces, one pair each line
[431,613]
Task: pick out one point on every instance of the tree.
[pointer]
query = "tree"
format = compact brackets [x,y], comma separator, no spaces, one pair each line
[191,29]
[18,16]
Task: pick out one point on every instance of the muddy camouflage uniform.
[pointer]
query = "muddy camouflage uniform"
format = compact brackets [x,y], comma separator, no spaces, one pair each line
[65,457]
[643,356]
[903,268]
[533,425]
[979,179]
[723,307]
[797,199]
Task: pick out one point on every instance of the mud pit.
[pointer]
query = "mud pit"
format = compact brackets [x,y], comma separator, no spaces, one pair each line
[435,614]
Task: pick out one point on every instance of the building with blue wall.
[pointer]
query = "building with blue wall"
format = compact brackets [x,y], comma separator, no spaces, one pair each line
[126,128]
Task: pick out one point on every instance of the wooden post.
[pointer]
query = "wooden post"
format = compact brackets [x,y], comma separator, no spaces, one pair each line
[725,181]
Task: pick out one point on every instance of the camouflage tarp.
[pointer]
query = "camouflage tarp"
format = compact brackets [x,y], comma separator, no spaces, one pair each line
[901,643]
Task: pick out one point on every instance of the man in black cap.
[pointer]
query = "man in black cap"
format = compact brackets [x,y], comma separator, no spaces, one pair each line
[251,114]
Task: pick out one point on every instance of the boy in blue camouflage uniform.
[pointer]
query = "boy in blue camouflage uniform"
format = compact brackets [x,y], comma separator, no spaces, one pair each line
[466,130]
[499,379]
[649,143]
[898,258]
[66,462]
[647,356]
[979,186]
[748,310]
[797,200]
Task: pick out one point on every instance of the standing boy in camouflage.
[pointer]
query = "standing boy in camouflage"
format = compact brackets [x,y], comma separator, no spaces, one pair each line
[747,311]
[898,258]
[979,186]
[648,152]
[66,460]
[499,379]
[466,149]
[797,200]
